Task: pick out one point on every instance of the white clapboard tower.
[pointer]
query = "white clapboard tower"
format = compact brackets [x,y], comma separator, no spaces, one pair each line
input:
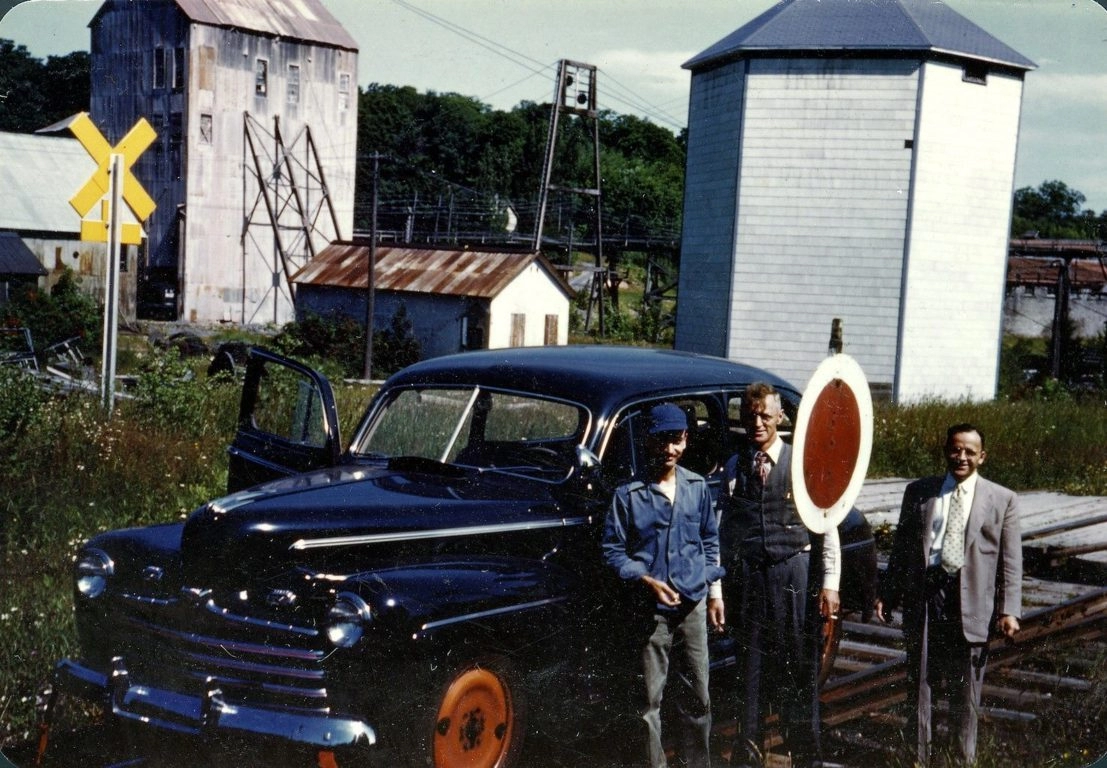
[852,160]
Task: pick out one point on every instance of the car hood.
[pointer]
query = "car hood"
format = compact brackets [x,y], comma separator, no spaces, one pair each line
[333,520]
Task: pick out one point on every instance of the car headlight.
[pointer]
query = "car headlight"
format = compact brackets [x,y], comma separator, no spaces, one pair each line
[94,567]
[346,620]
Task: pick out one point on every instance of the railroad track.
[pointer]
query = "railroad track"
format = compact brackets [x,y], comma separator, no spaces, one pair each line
[860,720]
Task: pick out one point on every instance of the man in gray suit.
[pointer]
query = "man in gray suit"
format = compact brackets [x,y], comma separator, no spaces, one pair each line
[956,567]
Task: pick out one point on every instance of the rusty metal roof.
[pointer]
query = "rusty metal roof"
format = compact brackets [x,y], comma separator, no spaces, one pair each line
[1083,273]
[304,20]
[456,272]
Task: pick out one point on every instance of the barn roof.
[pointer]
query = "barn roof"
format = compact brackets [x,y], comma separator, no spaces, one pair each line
[457,272]
[919,27]
[38,175]
[16,258]
[304,20]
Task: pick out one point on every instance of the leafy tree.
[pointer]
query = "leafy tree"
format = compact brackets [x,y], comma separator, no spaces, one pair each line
[34,94]
[1053,210]
[453,165]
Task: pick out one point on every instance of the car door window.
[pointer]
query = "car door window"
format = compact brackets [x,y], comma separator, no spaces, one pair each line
[704,454]
[291,407]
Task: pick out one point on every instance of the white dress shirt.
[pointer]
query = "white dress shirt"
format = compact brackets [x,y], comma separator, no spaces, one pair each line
[941,513]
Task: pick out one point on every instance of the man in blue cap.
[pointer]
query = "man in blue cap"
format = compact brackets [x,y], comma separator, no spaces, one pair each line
[661,532]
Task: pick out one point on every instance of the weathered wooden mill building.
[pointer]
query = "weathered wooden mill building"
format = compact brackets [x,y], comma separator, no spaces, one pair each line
[852,160]
[255,106]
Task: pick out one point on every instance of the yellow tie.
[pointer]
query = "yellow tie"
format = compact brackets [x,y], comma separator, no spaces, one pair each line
[953,547]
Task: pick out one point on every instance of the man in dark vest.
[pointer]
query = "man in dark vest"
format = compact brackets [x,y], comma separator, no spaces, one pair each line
[781,583]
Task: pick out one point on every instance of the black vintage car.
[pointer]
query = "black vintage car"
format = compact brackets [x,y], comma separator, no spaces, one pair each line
[417,594]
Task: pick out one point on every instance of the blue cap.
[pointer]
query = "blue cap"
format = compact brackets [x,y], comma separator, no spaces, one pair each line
[667,418]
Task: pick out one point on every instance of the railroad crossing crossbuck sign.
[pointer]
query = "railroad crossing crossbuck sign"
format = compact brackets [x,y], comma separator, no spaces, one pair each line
[832,442]
[96,189]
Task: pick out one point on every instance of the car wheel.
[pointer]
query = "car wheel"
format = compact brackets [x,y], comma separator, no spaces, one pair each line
[832,636]
[480,719]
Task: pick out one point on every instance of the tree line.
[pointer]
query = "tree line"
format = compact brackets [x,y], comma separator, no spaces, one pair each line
[450,167]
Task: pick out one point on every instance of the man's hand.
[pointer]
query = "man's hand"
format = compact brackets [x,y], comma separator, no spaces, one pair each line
[829,603]
[882,613]
[716,613]
[665,594]
[1009,626]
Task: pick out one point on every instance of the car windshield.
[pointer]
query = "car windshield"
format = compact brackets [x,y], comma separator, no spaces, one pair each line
[476,427]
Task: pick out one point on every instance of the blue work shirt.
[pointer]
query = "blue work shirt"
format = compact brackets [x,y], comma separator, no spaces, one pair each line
[678,543]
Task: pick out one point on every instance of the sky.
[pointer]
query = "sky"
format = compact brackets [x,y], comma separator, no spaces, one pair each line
[506,51]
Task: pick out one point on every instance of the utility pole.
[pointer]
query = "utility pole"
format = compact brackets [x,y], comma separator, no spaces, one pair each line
[575,94]
[371,279]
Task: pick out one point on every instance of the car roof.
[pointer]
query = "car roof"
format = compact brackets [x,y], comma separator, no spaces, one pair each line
[598,376]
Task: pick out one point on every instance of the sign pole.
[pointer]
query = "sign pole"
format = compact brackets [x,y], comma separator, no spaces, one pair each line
[111,285]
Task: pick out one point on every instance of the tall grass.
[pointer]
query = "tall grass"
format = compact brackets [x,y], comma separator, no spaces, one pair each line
[1057,444]
[67,472]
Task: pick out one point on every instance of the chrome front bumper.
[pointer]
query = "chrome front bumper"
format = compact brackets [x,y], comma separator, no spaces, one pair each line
[205,714]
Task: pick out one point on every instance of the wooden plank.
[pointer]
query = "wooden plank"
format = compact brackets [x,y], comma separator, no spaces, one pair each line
[1046,680]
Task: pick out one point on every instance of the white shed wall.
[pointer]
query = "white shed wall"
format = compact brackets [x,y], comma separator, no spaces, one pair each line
[535,295]
[822,209]
[711,191]
[961,212]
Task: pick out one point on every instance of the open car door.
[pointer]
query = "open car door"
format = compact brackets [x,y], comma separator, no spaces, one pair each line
[287,422]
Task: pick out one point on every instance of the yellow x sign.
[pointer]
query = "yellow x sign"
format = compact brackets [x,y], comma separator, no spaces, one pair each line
[96,188]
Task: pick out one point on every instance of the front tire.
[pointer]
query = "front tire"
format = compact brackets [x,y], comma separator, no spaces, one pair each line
[479,720]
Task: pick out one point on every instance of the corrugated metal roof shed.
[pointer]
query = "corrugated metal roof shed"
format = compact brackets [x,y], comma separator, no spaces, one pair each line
[38,175]
[16,258]
[304,20]
[873,26]
[458,272]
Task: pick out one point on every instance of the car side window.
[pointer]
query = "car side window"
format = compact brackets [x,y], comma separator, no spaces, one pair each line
[289,406]
[704,454]
[735,432]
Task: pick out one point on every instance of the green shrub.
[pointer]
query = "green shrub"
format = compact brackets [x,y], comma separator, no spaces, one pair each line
[63,313]
[335,344]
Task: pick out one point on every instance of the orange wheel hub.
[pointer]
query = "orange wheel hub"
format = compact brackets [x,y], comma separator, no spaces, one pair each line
[475,723]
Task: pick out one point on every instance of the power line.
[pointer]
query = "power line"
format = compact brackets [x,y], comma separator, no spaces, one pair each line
[620,94]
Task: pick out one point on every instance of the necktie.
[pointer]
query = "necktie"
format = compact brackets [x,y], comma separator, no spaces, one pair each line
[953,547]
[761,467]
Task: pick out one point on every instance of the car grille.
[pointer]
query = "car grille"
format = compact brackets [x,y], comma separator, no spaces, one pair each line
[190,646]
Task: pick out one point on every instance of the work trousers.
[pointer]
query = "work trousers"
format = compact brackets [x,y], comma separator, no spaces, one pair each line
[773,607]
[683,634]
[939,659]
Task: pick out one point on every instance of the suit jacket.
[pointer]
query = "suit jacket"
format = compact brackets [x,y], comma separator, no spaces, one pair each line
[991,578]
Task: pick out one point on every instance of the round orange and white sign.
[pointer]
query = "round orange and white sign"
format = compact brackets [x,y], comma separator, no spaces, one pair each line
[832,442]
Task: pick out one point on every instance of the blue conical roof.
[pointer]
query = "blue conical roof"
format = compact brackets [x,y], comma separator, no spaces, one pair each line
[861,26]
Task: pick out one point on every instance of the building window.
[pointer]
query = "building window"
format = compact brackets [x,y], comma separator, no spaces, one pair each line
[176,146]
[343,91]
[975,72]
[205,129]
[518,329]
[179,70]
[293,83]
[551,331]
[159,67]
[261,80]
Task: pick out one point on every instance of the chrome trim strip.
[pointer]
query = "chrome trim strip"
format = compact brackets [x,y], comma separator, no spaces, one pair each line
[438,533]
[431,625]
[195,639]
